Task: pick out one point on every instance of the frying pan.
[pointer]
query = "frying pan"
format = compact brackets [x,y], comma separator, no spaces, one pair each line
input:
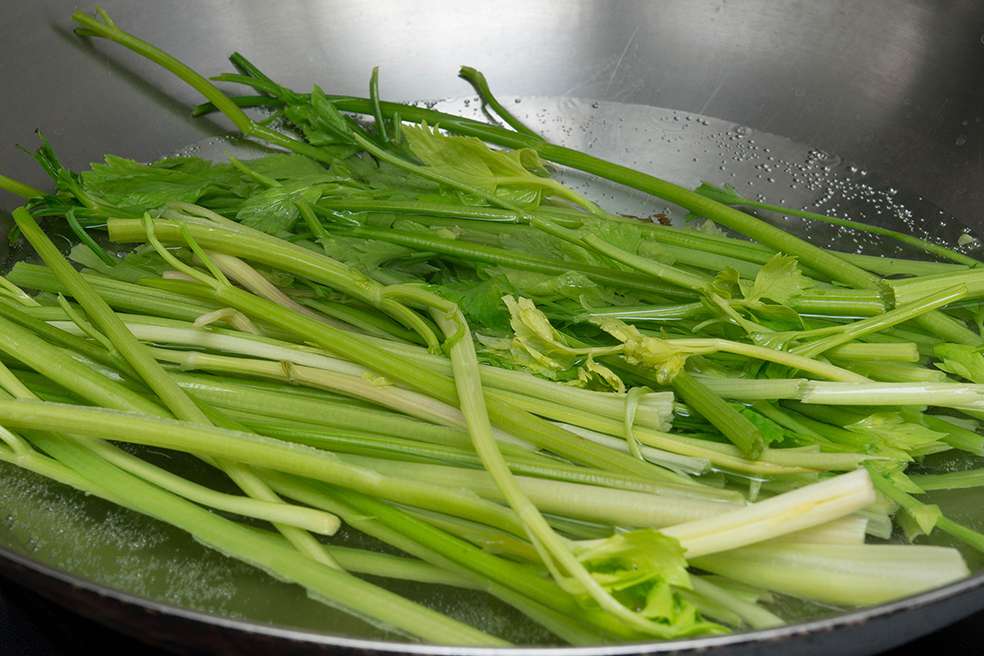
[894,88]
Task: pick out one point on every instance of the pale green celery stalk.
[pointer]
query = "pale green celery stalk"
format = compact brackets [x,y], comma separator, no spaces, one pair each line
[364,321]
[754,389]
[277,512]
[31,460]
[880,523]
[281,561]
[894,372]
[956,436]
[908,290]
[655,409]
[791,360]
[306,518]
[772,462]
[398,449]
[917,509]
[839,303]
[14,295]
[674,461]
[122,295]
[576,500]
[553,549]
[434,545]
[477,80]
[151,373]
[362,561]
[849,575]
[747,611]
[902,313]
[809,506]
[699,259]
[59,366]
[645,313]
[935,394]
[327,415]
[756,253]
[731,423]
[272,251]
[958,480]
[895,266]
[510,419]
[487,538]
[254,281]
[387,395]
[114,395]
[730,197]
[18,188]
[846,530]
[249,449]
[881,351]
[658,270]
[570,415]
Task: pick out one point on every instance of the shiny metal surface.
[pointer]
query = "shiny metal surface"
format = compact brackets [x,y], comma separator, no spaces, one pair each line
[896,87]
[893,84]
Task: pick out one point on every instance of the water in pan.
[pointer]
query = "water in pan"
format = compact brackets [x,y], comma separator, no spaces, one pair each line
[99,542]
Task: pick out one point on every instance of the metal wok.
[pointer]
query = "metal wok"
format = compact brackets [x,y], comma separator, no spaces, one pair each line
[892,87]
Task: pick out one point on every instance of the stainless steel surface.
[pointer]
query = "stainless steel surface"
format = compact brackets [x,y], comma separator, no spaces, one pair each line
[893,84]
[894,87]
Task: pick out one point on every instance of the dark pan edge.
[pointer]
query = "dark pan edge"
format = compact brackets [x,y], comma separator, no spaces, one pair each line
[171,627]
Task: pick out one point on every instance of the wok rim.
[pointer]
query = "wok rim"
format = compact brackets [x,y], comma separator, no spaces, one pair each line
[10,561]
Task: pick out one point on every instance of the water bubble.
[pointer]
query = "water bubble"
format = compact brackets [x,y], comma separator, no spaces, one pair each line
[961,140]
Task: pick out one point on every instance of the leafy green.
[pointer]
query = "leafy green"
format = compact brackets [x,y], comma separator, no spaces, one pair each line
[274,210]
[725,284]
[658,354]
[961,360]
[642,569]
[779,280]
[481,301]
[320,122]
[135,188]
[894,431]
[507,174]
[771,431]
[288,166]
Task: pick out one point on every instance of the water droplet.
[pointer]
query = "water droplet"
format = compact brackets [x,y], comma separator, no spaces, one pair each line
[594,105]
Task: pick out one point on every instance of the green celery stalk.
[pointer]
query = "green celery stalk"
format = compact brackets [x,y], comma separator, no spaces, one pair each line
[958,480]
[282,561]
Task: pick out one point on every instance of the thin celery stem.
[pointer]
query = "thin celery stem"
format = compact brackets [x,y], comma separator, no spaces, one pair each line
[475,78]
[18,188]
[900,314]
[150,371]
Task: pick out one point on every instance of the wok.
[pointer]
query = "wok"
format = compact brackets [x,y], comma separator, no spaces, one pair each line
[893,88]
